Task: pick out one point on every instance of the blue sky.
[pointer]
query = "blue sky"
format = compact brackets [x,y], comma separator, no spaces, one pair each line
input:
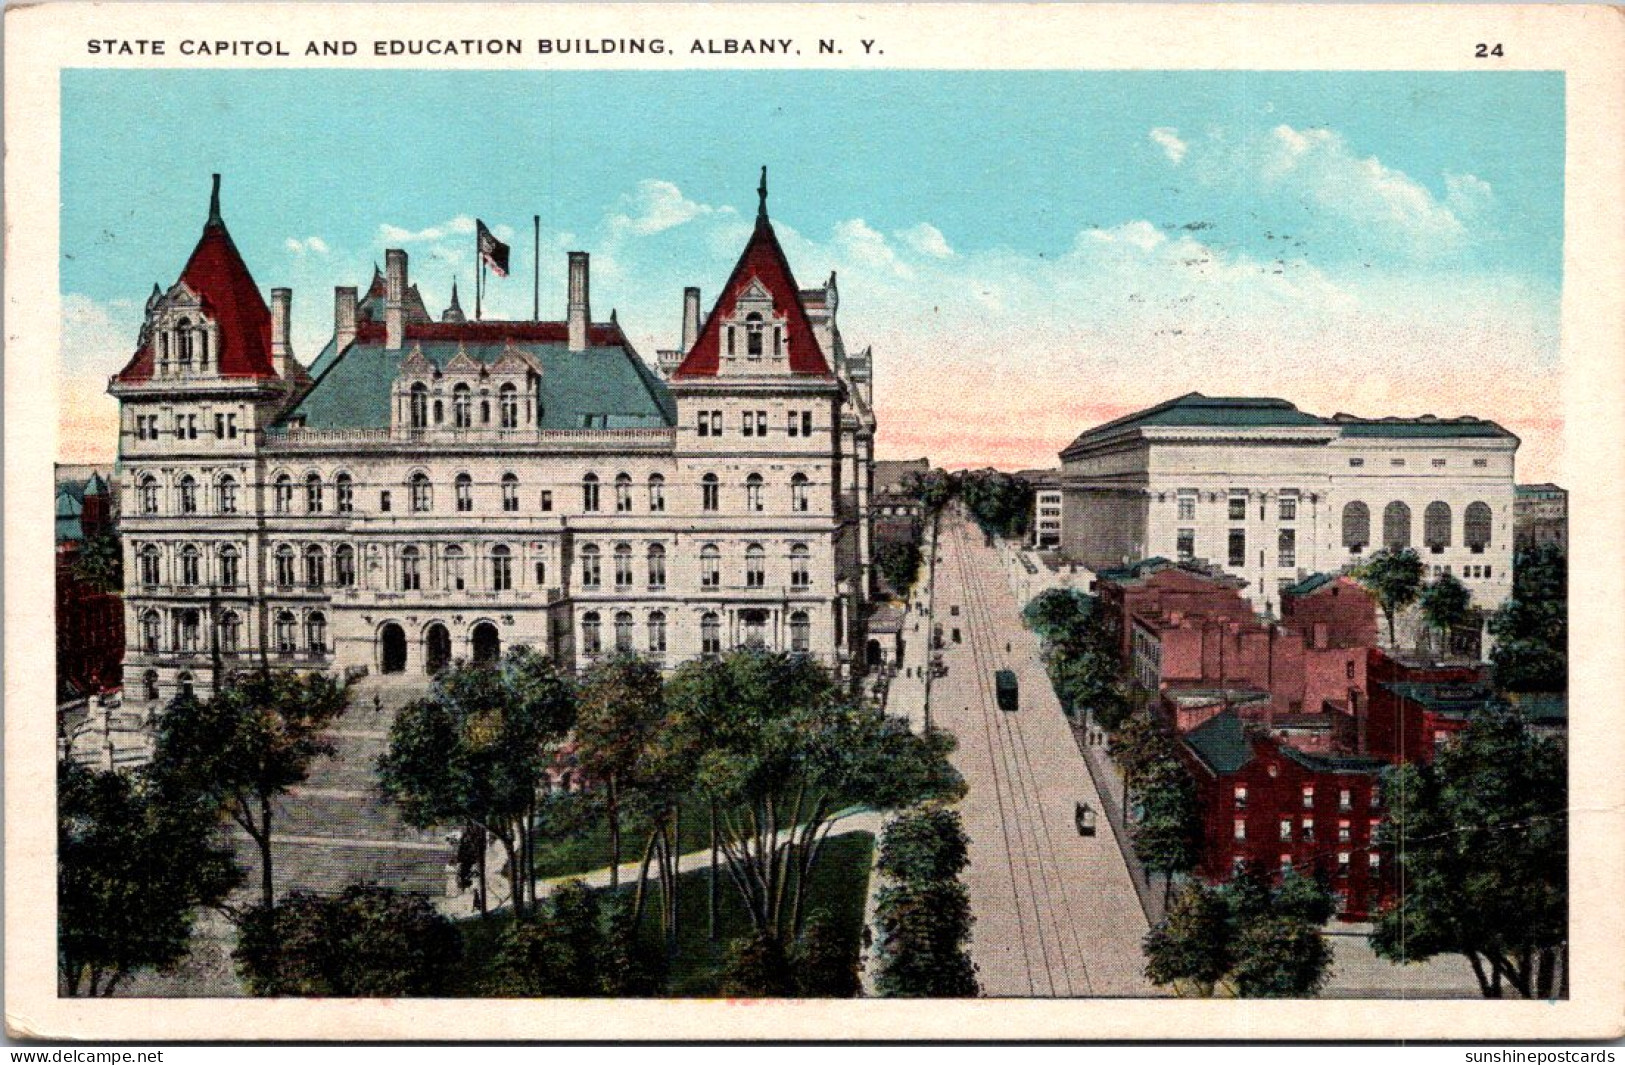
[1147,233]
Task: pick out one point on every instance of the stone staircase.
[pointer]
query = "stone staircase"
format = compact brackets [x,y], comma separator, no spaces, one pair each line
[338,828]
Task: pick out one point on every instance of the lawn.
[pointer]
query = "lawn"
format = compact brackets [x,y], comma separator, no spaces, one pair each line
[839,889]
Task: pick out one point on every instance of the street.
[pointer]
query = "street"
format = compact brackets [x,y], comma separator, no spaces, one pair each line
[1056,912]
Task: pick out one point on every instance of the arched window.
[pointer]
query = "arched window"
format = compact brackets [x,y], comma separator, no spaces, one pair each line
[439,413]
[315,567]
[508,402]
[344,493]
[710,634]
[149,685]
[501,569]
[623,632]
[657,566]
[231,628]
[1476,527]
[226,498]
[755,566]
[589,492]
[183,685]
[421,493]
[463,490]
[189,565]
[151,627]
[623,565]
[1356,526]
[183,341]
[485,412]
[591,575]
[316,632]
[282,493]
[187,637]
[419,405]
[753,335]
[800,632]
[186,493]
[1396,526]
[202,347]
[286,639]
[284,566]
[753,493]
[1436,526]
[456,568]
[800,571]
[149,565]
[709,492]
[710,566]
[657,493]
[623,493]
[344,566]
[510,492]
[591,640]
[228,566]
[798,492]
[462,407]
[313,493]
[148,492]
[411,569]
[657,632]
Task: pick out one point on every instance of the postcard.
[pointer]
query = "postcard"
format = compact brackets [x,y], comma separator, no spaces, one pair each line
[814,522]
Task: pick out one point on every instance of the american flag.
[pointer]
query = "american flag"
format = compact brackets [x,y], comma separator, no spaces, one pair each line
[492,250]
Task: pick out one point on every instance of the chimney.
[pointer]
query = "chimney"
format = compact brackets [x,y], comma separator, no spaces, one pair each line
[343,317]
[691,317]
[394,298]
[281,312]
[580,313]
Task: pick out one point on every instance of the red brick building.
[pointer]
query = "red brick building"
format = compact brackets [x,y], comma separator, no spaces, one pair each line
[1264,801]
[1416,704]
[89,621]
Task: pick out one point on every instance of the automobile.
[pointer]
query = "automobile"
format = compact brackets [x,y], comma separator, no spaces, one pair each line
[1084,816]
[1007,690]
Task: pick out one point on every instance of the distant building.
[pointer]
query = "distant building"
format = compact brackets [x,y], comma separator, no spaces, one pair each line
[897,511]
[89,620]
[1540,515]
[1265,802]
[1046,523]
[1273,494]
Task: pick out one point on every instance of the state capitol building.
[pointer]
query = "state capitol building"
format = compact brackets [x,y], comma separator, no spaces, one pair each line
[431,490]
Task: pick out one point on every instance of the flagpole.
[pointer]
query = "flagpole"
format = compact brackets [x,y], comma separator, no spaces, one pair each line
[479,271]
[536,266]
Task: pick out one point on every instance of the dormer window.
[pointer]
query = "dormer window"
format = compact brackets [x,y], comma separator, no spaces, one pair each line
[183,335]
[753,335]
[462,402]
[419,405]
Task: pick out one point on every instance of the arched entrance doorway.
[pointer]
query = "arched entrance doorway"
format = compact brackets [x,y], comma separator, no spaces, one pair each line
[436,648]
[874,652]
[392,657]
[487,644]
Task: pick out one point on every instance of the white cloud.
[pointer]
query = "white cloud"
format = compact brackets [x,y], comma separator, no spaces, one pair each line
[1468,196]
[1167,138]
[657,206]
[313,245]
[862,244]
[462,225]
[926,239]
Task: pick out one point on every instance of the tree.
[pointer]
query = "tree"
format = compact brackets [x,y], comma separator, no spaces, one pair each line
[923,845]
[923,928]
[899,563]
[1281,957]
[824,962]
[475,749]
[1060,615]
[1531,629]
[1395,578]
[620,707]
[252,742]
[1480,842]
[933,488]
[779,751]
[1167,836]
[1192,943]
[100,562]
[367,942]
[1000,503]
[1446,604]
[555,951]
[134,865]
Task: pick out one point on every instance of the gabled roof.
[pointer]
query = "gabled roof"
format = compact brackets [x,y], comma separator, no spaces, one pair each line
[761,262]
[217,274]
[371,307]
[1221,742]
[1311,584]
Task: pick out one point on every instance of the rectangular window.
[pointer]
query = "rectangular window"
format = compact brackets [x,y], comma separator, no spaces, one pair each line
[1345,832]
[219,426]
[541,572]
[1238,547]
[1186,545]
[1286,830]
[704,427]
[1345,799]
[547,501]
[1240,829]
[1438,463]
[1309,830]
[716,423]
[1308,796]
[1356,462]
[1480,463]
[1289,507]
[806,423]
[1342,865]
[794,424]
[1240,795]
[1286,549]
[231,427]
[761,423]
[1238,506]
[1396,462]
[1187,505]
[747,426]
[383,502]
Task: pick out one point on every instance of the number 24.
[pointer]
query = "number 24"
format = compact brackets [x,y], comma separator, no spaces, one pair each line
[1484,51]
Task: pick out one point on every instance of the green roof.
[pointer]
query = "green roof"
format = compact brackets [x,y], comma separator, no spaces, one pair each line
[1445,428]
[1312,583]
[1221,742]
[1444,698]
[1334,763]
[610,384]
[1134,570]
[1545,707]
